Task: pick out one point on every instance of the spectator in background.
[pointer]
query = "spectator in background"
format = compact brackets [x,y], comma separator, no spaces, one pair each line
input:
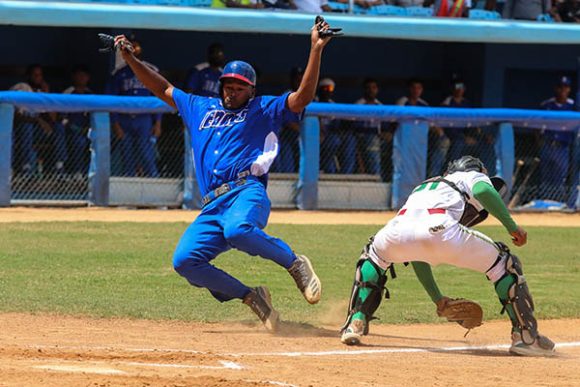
[252,4]
[77,125]
[203,79]
[313,6]
[556,146]
[438,142]
[368,132]
[287,160]
[452,8]
[526,9]
[461,140]
[136,134]
[363,3]
[31,128]
[338,146]
[567,11]
[410,3]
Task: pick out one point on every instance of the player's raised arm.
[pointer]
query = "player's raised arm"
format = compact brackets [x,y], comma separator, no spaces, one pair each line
[298,100]
[152,80]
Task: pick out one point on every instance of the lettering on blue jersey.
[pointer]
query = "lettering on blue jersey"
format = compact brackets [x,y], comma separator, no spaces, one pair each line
[132,83]
[222,119]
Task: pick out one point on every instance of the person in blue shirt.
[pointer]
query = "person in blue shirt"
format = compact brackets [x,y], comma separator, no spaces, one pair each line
[234,142]
[556,145]
[78,124]
[204,78]
[137,134]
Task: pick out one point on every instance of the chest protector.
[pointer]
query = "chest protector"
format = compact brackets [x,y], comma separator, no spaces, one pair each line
[471,216]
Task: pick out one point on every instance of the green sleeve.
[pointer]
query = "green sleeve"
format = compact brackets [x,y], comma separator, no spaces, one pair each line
[492,202]
[425,275]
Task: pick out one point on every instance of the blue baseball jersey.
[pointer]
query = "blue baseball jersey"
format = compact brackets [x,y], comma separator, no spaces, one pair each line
[565,138]
[125,82]
[204,81]
[227,142]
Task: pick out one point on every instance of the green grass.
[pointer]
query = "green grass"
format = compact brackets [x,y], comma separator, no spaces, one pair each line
[124,270]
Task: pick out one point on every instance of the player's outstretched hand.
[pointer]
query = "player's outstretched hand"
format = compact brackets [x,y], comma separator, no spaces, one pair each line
[519,237]
[124,45]
[322,33]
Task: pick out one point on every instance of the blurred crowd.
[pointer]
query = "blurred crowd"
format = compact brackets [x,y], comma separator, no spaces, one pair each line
[58,143]
[540,10]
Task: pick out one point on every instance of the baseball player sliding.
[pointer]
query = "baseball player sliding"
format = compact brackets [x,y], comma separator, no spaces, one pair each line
[433,227]
[234,142]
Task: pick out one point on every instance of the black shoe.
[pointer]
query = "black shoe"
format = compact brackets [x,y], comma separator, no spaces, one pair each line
[260,301]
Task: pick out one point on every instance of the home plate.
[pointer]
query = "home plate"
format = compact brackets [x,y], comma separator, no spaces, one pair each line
[92,370]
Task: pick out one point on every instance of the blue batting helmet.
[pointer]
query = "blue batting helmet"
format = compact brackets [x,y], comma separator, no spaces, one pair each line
[240,70]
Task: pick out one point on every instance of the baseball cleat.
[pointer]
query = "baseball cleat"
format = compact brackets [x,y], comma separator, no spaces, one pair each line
[260,301]
[542,346]
[353,333]
[306,279]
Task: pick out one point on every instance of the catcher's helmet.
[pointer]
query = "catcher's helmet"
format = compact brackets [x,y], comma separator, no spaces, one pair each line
[465,164]
[240,70]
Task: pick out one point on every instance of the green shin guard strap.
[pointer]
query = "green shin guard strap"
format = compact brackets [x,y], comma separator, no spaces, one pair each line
[368,274]
[502,288]
[425,276]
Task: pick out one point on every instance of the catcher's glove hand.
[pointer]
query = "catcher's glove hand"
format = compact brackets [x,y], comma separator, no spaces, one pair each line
[464,312]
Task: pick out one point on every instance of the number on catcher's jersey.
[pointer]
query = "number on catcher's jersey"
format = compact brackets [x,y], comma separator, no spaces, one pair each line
[433,186]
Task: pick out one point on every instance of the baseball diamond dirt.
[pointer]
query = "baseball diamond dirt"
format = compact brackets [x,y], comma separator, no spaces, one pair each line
[55,350]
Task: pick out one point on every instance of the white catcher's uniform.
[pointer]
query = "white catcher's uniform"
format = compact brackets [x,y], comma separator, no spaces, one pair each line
[427,229]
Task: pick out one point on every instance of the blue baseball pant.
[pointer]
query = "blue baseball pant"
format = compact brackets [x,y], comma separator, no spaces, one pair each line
[233,220]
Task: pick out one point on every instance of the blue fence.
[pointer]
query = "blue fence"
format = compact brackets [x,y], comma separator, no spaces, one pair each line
[410,141]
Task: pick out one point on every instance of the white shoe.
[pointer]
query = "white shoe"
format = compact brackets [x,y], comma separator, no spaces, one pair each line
[306,279]
[542,346]
[353,333]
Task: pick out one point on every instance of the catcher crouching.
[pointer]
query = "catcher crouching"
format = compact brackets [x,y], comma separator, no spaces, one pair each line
[433,228]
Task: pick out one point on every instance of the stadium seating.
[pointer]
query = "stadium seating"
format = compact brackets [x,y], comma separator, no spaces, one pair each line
[419,11]
[481,14]
[384,10]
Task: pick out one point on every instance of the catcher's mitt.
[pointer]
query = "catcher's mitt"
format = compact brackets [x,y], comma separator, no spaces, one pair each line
[464,312]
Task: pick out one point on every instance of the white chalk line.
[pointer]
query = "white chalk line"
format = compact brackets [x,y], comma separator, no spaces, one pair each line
[225,364]
[344,352]
[85,369]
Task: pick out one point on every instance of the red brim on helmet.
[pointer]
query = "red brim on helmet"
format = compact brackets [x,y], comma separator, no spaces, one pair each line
[237,76]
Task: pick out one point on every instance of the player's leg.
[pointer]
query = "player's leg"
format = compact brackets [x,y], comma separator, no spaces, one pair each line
[128,157]
[146,152]
[203,241]
[59,142]
[247,215]
[474,250]
[512,290]
[366,296]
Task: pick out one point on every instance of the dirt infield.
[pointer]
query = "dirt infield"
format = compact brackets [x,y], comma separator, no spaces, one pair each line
[46,350]
[27,214]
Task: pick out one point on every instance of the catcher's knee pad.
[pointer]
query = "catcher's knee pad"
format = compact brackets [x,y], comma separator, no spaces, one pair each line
[519,297]
[374,298]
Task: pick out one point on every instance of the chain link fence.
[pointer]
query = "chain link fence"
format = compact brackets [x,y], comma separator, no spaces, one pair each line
[142,162]
[52,156]
[146,160]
